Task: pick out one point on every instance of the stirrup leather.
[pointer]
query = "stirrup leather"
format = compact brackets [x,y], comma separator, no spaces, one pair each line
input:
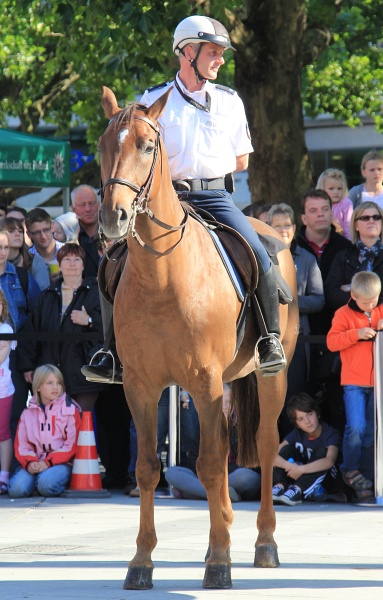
[273,367]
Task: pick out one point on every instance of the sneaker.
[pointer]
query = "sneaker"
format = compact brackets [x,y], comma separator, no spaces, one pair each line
[135,493]
[277,492]
[292,496]
[364,494]
[234,496]
[357,481]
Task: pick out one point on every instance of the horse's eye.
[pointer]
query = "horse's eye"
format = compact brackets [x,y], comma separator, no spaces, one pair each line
[149,149]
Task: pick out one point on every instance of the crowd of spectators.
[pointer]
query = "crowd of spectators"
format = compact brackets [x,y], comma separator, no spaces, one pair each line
[48,284]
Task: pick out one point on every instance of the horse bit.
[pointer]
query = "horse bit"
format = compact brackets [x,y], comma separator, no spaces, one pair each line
[140,202]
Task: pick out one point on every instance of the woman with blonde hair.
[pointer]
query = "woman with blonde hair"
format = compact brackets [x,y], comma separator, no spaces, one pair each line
[366,254]
[46,437]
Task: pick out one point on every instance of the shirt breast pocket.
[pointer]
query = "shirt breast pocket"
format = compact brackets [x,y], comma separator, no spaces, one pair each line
[213,137]
[172,134]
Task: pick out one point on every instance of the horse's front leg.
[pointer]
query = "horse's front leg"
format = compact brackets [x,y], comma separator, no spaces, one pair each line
[271,397]
[212,472]
[140,570]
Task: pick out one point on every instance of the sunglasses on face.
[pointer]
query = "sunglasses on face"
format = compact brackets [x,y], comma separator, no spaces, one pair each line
[369,217]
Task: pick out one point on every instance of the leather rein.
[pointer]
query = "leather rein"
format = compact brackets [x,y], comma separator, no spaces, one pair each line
[140,202]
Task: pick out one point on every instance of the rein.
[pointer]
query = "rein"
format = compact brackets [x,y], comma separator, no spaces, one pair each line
[140,202]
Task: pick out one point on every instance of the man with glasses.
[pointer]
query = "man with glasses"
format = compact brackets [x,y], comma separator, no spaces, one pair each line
[40,229]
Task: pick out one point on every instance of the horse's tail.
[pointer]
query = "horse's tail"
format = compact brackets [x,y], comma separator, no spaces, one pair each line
[245,404]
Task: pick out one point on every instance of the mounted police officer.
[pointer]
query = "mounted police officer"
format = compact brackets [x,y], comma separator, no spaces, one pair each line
[206,137]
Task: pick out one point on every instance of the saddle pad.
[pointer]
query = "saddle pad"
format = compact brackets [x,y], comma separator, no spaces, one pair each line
[230,267]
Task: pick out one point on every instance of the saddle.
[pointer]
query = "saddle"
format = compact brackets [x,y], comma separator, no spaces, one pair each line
[239,251]
[237,248]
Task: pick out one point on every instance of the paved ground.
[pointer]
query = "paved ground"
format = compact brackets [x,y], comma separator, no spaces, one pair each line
[78,549]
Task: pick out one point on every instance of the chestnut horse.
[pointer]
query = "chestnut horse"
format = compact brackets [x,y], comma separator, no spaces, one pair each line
[175,314]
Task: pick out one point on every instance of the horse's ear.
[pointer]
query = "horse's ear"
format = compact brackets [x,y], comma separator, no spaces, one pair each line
[109,102]
[155,109]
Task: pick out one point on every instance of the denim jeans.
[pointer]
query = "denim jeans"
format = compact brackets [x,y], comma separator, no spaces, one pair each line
[220,204]
[359,430]
[51,482]
[247,483]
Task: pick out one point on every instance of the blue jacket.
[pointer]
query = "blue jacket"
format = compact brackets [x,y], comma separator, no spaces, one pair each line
[19,306]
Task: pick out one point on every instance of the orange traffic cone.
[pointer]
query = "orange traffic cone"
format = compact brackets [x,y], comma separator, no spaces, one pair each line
[86,479]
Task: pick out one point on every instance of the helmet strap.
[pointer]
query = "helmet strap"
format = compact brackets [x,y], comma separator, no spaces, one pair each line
[193,64]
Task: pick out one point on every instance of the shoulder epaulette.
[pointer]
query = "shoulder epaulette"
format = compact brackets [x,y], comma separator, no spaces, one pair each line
[158,86]
[224,88]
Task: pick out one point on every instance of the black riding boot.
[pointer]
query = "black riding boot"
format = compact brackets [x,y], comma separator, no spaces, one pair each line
[105,366]
[271,357]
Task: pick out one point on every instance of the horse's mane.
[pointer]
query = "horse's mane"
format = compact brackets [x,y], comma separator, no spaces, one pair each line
[125,116]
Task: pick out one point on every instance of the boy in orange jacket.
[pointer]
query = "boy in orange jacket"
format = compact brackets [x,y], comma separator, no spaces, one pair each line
[353,331]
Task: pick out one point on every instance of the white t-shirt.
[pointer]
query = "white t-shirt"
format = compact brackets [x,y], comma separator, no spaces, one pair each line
[199,144]
[367,197]
[6,385]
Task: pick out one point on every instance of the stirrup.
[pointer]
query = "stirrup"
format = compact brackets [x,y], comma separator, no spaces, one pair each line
[273,367]
[112,380]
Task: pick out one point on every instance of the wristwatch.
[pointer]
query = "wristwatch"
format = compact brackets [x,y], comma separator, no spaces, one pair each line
[90,321]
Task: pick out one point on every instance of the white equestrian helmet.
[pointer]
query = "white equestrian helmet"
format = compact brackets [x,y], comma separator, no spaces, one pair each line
[197,29]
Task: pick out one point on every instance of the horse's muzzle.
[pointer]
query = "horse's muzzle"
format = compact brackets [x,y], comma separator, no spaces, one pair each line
[114,223]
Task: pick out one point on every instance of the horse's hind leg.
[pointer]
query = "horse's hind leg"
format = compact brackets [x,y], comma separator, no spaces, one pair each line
[140,570]
[212,471]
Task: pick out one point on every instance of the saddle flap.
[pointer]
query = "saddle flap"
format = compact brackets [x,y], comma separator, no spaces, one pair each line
[110,269]
[243,258]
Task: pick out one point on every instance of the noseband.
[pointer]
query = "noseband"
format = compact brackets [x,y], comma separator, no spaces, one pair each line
[140,202]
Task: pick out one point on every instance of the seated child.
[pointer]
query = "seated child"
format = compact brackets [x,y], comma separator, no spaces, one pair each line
[306,456]
[352,332]
[244,483]
[46,437]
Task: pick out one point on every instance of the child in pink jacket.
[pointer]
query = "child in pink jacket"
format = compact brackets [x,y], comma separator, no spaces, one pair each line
[46,437]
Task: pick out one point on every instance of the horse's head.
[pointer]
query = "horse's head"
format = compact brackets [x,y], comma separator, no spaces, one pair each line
[128,154]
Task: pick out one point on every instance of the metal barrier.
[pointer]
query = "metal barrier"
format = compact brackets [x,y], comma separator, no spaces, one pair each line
[174,393]
[378,388]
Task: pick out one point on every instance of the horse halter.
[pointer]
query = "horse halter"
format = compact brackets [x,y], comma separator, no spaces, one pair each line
[140,202]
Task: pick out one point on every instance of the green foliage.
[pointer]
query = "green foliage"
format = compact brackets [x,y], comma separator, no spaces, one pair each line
[56,55]
[346,80]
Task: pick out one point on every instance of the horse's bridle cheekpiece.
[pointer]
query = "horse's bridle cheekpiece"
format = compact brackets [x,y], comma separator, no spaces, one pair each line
[140,202]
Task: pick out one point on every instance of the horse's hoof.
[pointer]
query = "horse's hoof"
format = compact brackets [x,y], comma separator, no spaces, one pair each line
[266,555]
[217,577]
[139,578]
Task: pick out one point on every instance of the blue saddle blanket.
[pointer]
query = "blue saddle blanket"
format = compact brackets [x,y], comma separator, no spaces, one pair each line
[230,267]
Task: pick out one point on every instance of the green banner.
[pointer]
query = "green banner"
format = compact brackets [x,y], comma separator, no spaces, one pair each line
[31,161]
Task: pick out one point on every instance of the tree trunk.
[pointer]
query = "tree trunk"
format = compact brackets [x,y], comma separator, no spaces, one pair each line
[268,79]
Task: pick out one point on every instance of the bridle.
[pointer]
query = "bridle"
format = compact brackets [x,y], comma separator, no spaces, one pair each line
[140,202]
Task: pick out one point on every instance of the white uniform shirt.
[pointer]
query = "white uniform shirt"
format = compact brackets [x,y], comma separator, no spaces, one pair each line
[199,144]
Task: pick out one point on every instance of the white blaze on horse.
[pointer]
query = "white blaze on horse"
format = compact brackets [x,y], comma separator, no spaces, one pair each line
[175,316]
